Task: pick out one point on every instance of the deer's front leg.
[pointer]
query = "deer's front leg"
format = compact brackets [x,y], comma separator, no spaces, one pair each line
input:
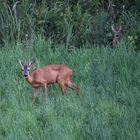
[44,88]
[35,94]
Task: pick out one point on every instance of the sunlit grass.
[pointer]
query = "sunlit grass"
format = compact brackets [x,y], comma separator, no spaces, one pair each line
[109,107]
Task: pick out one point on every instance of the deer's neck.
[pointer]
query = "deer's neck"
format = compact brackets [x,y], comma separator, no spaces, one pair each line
[29,79]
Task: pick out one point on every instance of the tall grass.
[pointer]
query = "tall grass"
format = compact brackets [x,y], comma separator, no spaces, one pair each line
[109,107]
[70,22]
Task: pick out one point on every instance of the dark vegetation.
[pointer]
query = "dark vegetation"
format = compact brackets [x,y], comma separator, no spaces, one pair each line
[73,22]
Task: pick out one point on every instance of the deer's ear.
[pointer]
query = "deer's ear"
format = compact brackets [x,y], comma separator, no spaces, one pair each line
[32,61]
[120,28]
[21,63]
[113,29]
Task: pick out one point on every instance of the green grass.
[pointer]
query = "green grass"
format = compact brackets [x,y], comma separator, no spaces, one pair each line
[109,108]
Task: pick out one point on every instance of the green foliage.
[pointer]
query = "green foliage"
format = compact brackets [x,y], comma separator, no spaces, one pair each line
[71,22]
[109,106]
[8,27]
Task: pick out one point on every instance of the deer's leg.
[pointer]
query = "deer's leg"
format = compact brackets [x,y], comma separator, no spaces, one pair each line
[62,87]
[73,87]
[35,94]
[44,88]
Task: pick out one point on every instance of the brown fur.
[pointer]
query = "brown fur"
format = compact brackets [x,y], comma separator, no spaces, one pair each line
[50,74]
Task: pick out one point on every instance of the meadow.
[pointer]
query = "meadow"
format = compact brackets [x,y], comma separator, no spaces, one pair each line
[109,103]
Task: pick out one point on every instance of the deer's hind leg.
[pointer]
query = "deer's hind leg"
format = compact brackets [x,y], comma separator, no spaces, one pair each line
[73,87]
[62,87]
[62,82]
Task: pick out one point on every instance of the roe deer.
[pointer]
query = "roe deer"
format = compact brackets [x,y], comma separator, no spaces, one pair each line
[43,76]
[117,35]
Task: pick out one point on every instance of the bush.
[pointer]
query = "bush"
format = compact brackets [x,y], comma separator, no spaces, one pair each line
[71,22]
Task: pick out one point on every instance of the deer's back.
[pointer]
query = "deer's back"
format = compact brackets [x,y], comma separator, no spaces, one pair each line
[50,73]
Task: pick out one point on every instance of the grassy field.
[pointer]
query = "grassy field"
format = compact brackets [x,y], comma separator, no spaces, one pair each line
[109,82]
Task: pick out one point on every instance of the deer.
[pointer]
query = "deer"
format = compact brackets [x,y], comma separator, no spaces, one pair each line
[50,74]
[117,34]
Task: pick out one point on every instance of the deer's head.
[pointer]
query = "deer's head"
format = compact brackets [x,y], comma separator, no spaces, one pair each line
[26,68]
[117,34]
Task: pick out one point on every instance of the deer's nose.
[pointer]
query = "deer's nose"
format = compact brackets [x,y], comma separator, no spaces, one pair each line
[25,75]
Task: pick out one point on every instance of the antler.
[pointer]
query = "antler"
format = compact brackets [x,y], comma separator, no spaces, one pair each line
[113,29]
[32,61]
[21,63]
